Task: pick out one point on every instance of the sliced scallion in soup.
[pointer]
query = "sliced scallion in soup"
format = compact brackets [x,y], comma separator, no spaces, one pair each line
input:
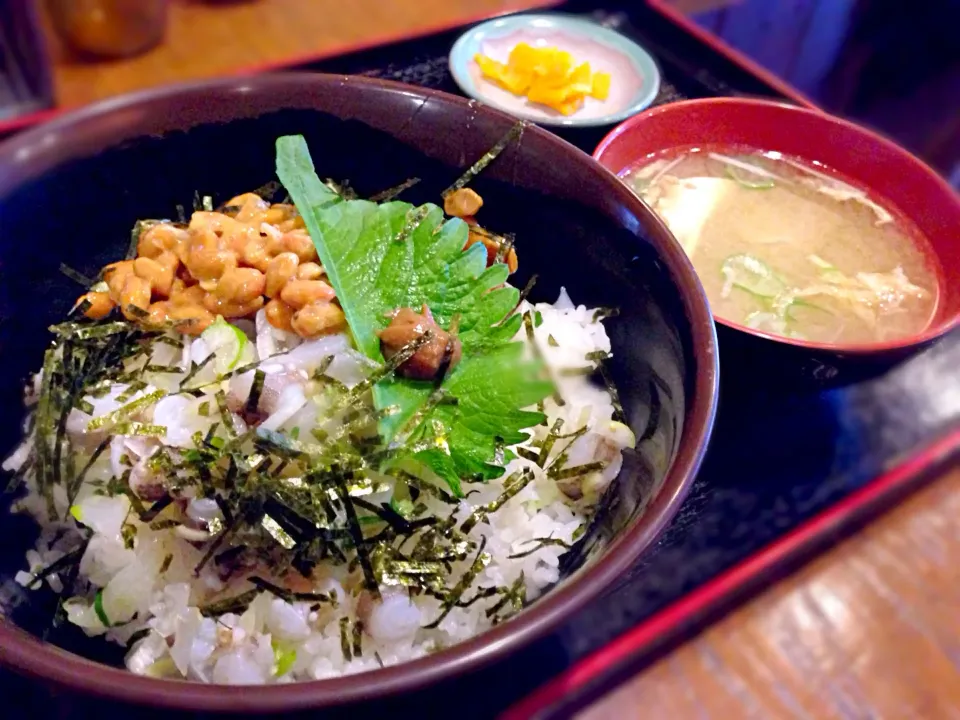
[789,249]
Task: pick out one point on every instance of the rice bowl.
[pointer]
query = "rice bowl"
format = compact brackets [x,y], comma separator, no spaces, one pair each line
[578,228]
[223,496]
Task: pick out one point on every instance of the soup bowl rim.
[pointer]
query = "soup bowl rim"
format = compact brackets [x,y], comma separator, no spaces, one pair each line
[930,333]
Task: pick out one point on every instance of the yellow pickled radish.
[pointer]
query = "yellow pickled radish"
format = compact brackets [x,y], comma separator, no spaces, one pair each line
[546,75]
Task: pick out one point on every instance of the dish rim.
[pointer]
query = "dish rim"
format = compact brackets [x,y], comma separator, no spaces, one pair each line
[929,334]
[622,44]
[27,654]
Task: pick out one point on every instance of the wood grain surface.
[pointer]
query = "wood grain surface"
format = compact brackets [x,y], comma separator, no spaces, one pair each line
[209,38]
[869,630]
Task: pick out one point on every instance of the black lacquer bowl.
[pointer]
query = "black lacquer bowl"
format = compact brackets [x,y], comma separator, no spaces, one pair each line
[71,190]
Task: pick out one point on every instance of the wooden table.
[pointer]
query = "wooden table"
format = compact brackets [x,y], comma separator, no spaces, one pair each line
[209,38]
[869,630]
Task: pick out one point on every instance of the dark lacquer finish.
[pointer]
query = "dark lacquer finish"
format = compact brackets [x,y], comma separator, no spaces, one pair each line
[865,157]
[70,191]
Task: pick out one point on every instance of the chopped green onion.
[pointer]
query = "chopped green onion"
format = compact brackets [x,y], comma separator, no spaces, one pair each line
[752,275]
[98,608]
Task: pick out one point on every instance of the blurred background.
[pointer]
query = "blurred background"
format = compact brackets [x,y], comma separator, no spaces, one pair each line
[889,64]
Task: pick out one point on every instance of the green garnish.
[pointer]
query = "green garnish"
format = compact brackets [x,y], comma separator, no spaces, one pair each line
[283,658]
[751,274]
[373,274]
[98,608]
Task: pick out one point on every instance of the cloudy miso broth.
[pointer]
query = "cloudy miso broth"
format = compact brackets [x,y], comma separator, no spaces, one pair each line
[786,248]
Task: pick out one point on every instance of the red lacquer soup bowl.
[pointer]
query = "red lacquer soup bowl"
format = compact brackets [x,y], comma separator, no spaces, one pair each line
[865,158]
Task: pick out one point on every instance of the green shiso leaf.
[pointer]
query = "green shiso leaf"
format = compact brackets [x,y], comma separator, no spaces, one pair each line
[383,257]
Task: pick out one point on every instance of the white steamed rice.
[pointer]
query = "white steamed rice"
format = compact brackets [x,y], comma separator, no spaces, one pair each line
[278,641]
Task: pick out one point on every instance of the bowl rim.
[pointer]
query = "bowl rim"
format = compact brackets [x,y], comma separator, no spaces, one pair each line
[928,334]
[29,655]
[573,23]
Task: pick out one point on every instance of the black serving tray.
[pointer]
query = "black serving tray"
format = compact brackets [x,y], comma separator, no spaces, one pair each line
[789,467]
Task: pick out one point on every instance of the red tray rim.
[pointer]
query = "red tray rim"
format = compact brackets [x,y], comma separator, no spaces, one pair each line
[592,676]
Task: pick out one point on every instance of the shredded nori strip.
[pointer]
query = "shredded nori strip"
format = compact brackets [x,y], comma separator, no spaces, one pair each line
[81,307]
[549,442]
[172,369]
[576,471]
[194,369]
[62,563]
[511,486]
[514,133]
[230,555]
[214,547]
[158,507]
[425,486]
[481,594]
[561,459]
[356,532]
[253,400]
[516,596]
[141,429]
[358,639]
[77,277]
[68,582]
[539,543]
[504,247]
[345,639]
[77,331]
[528,454]
[277,443]
[285,594]
[391,193]
[453,597]
[395,520]
[389,367]
[81,360]
[221,397]
[132,389]
[236,604]
[283,538]
[126,411]
[77,482]
[165,524]
[165,565]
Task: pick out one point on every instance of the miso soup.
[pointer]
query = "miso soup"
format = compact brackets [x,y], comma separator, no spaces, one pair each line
[792,250]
